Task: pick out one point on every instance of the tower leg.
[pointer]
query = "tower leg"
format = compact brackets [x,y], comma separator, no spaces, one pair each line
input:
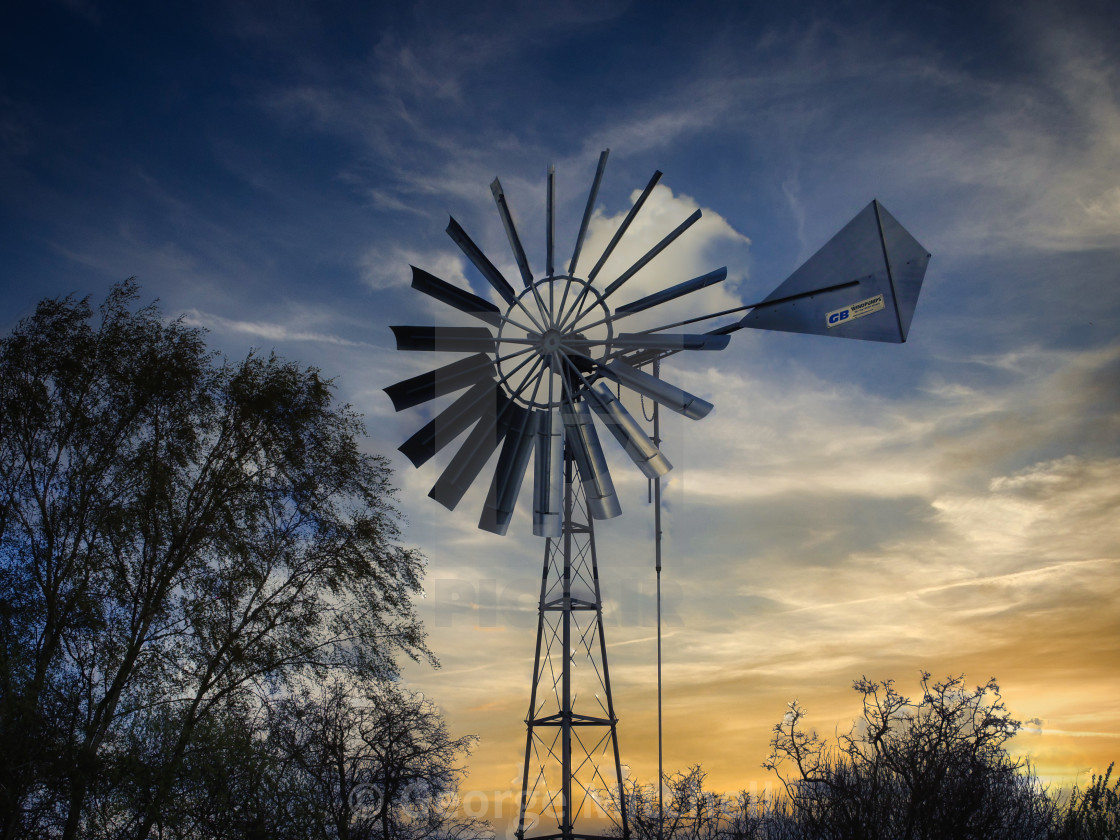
[572,783]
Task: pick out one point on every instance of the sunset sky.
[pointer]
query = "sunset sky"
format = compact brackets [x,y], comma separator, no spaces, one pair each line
[952,504]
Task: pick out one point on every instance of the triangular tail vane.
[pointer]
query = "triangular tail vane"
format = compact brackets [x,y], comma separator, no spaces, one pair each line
[863,283]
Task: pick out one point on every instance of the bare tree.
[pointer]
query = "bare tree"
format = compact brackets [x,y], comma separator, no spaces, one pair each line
[376,758]
[310,764]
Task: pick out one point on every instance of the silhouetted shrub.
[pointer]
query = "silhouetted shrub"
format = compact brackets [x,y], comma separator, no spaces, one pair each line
[932,769]
[1093,813]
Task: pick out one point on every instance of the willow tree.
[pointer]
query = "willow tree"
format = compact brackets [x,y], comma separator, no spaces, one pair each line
[176,530]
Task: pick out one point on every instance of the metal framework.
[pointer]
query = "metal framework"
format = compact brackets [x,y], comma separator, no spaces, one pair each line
[548,365]
[571,739]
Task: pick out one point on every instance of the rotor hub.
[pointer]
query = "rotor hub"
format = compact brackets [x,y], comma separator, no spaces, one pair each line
[549,342]
[549,331]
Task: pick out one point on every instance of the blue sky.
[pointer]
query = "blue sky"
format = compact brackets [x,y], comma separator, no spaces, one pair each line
[271,170]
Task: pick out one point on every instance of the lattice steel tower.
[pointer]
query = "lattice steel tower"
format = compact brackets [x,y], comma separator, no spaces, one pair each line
[572,727]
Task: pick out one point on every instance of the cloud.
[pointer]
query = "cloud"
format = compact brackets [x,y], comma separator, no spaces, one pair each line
[705,246]
[647,126]
[267,330]
[384,267]
[1052,512]
[1026,160]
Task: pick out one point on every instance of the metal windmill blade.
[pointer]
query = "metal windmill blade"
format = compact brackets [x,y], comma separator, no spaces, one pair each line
[534,379]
